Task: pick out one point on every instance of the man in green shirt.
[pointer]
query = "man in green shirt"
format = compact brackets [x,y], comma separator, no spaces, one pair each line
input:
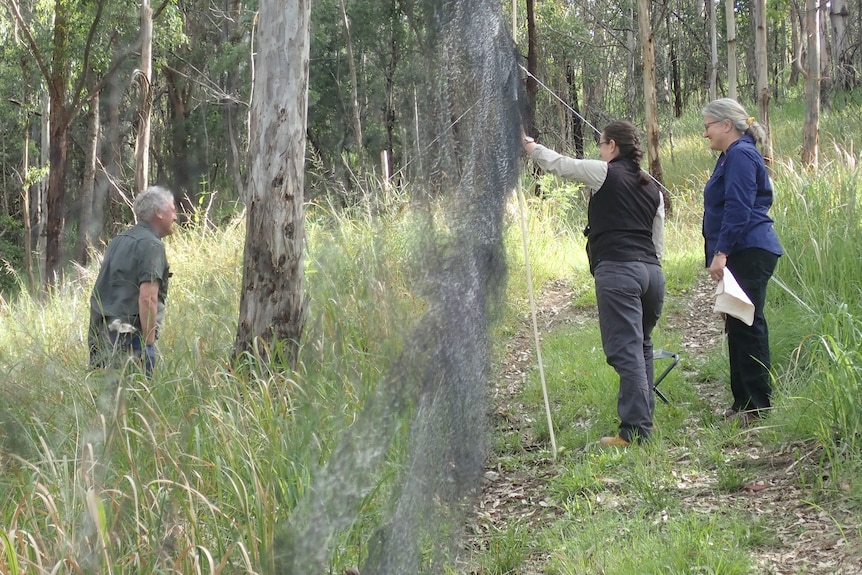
[128,300]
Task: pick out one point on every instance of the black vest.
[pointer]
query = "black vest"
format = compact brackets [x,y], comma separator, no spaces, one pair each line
[620,217]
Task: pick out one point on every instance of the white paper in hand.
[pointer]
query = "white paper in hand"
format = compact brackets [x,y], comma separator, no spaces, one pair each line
[730,299]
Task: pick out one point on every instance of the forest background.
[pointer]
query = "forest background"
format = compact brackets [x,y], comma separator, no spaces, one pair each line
[67,184]
[79,92]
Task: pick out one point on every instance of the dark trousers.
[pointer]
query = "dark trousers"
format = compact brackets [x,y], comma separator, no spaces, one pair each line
[748,346]
[630,296]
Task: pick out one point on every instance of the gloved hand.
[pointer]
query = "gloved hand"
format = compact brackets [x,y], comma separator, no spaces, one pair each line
[149,359]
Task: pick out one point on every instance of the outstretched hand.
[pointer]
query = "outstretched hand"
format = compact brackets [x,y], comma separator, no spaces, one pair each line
[527,142]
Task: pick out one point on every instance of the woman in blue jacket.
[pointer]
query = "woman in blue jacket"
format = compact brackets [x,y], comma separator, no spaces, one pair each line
[740,236]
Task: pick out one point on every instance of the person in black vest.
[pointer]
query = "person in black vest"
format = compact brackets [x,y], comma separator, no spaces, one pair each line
[625,240]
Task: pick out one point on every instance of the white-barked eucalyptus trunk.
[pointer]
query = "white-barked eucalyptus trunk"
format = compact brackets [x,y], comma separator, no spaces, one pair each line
[811,127]
[272,302]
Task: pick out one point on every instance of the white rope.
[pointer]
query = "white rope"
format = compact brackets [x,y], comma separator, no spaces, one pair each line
[535,323]
[563,102]
[584,120]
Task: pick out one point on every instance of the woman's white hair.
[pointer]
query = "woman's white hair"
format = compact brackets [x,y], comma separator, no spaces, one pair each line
[729,109]
[150,201]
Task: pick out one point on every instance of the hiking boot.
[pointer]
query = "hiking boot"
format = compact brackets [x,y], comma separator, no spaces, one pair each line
[729,414]
[615,441]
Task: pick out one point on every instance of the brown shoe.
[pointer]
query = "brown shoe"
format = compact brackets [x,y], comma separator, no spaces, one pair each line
[745,419]
[729,414]
[615,441]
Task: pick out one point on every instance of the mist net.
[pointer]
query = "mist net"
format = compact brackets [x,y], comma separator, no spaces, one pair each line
[471,122]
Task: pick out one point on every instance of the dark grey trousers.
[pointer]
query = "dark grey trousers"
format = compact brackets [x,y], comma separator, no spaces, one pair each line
[630,296]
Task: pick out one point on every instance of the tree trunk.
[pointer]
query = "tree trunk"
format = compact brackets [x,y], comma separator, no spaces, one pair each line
[577,124]
[55,222]
[113,152]
[25,205]
[233,33]
[354,82]
[732,64]
[675,74]
[778,60]
[272,305]
[713,50]
[761,66]
[234,158]
[811,127]
[650,105]
[532,68]
[826,59]
[845,76]
[631,65]
[179,95]
[796,45]
[58,148]
[88,229]
[394,58]
[145,74]
[40,205]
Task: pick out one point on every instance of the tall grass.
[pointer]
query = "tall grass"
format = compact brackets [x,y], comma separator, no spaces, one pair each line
[554,223]
[193,470]
[820,295]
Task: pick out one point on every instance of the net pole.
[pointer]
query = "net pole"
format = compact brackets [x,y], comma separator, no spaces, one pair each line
[535,322]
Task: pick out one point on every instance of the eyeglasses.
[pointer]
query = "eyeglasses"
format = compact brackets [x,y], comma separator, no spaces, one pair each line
[708,124]
[603,142]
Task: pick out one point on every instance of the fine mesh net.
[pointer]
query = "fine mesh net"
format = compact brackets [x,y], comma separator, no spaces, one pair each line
[471,123]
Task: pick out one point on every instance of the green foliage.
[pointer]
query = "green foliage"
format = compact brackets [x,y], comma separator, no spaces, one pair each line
[11,254]
[819,295]
[385,40]
[553,247]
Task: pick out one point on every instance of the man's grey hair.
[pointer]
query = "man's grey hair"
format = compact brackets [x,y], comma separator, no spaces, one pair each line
[730,109]
[150,201]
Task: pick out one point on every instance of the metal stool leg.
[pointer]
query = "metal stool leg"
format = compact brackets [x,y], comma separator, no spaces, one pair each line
[662,354]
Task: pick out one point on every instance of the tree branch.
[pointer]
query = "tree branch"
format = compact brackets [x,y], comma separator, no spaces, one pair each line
[85,64]
[13,7]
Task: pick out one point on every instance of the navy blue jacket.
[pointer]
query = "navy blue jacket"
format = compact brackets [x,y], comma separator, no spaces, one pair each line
[736,200]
